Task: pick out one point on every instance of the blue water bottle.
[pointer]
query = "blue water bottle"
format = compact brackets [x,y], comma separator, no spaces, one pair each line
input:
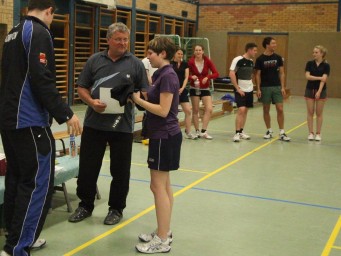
[73,146]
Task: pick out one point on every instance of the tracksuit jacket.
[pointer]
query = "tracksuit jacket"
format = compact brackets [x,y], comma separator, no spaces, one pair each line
[28,93]
[28,101]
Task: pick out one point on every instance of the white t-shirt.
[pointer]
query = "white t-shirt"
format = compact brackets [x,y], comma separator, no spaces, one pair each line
[148,66]
[243,69]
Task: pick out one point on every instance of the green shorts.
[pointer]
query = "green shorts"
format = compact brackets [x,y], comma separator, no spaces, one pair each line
[271,94]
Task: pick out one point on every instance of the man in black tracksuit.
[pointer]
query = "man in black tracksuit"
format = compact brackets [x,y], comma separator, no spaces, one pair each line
[28,101]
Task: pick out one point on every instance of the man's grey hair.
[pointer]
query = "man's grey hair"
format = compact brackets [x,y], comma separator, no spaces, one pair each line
[117,27]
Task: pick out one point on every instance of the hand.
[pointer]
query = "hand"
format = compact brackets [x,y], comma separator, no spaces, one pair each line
[181,90]
[317,95]
[74,126]
[241,92]
[284,93]
[98,106]
[204,81]
[136,96]
[259,94]
[194,77]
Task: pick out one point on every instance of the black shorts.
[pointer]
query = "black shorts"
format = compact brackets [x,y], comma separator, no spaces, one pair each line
[183,97]
[246,101]
[310,94]
[164,154]
[203,93]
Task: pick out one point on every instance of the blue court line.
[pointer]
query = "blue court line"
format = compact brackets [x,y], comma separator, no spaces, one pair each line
[245,195]
[269,199]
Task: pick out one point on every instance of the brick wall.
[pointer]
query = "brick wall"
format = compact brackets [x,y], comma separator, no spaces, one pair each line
[6,13]
[270,16]
[170,7]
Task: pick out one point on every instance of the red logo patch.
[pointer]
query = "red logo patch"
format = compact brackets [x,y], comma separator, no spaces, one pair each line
[42,58]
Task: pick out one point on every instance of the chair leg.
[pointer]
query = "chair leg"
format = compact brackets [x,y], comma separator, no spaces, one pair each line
[69,207]
[98,195]
[64,149]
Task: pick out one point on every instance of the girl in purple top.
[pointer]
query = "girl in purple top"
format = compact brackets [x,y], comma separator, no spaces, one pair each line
[164,140]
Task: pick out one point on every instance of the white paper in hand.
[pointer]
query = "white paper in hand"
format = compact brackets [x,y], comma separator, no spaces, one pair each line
[113,106]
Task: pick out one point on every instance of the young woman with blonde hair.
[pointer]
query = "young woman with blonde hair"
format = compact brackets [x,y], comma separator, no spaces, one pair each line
[316,72]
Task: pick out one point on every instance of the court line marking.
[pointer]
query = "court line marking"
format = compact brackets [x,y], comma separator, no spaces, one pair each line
[278,200]
[179,192]
[269,199]
[330,243]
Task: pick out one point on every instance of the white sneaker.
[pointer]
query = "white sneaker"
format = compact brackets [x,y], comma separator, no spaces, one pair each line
[206,136]
[318,137]
[39,243]
[3,253]
[197,132]
[154,246]
[148,237]
[236,137]
[191,136]
[244,136]
[284,137]
[268,135]
[311,136]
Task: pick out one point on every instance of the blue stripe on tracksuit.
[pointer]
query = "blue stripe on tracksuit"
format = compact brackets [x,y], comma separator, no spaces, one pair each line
[30,113]
[35,207]
[30,183]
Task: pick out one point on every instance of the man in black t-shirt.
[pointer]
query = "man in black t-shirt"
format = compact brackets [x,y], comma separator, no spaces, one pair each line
[270,85]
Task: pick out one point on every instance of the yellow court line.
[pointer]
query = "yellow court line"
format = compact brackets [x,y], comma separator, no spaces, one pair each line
[195,171]
[332,238]
[337,247]
[149,209]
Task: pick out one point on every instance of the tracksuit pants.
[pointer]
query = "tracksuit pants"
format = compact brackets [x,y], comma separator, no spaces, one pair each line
[30,156]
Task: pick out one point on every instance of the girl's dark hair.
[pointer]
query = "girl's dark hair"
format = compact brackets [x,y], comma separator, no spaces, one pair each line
[178,48]
[162,43]
[41,5]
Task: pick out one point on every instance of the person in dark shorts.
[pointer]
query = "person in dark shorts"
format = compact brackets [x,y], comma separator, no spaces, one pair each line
[241,71]
[201,70]
[165,140]
[181,69]
[270,86]
[316,72]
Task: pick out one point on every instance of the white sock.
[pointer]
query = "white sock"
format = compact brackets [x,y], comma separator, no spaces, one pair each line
[281,131]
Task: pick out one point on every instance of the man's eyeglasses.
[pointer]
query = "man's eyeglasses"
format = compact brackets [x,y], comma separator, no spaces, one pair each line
[121,40]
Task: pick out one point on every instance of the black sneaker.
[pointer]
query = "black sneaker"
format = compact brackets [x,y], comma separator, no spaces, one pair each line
[80,214]
[113,217]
